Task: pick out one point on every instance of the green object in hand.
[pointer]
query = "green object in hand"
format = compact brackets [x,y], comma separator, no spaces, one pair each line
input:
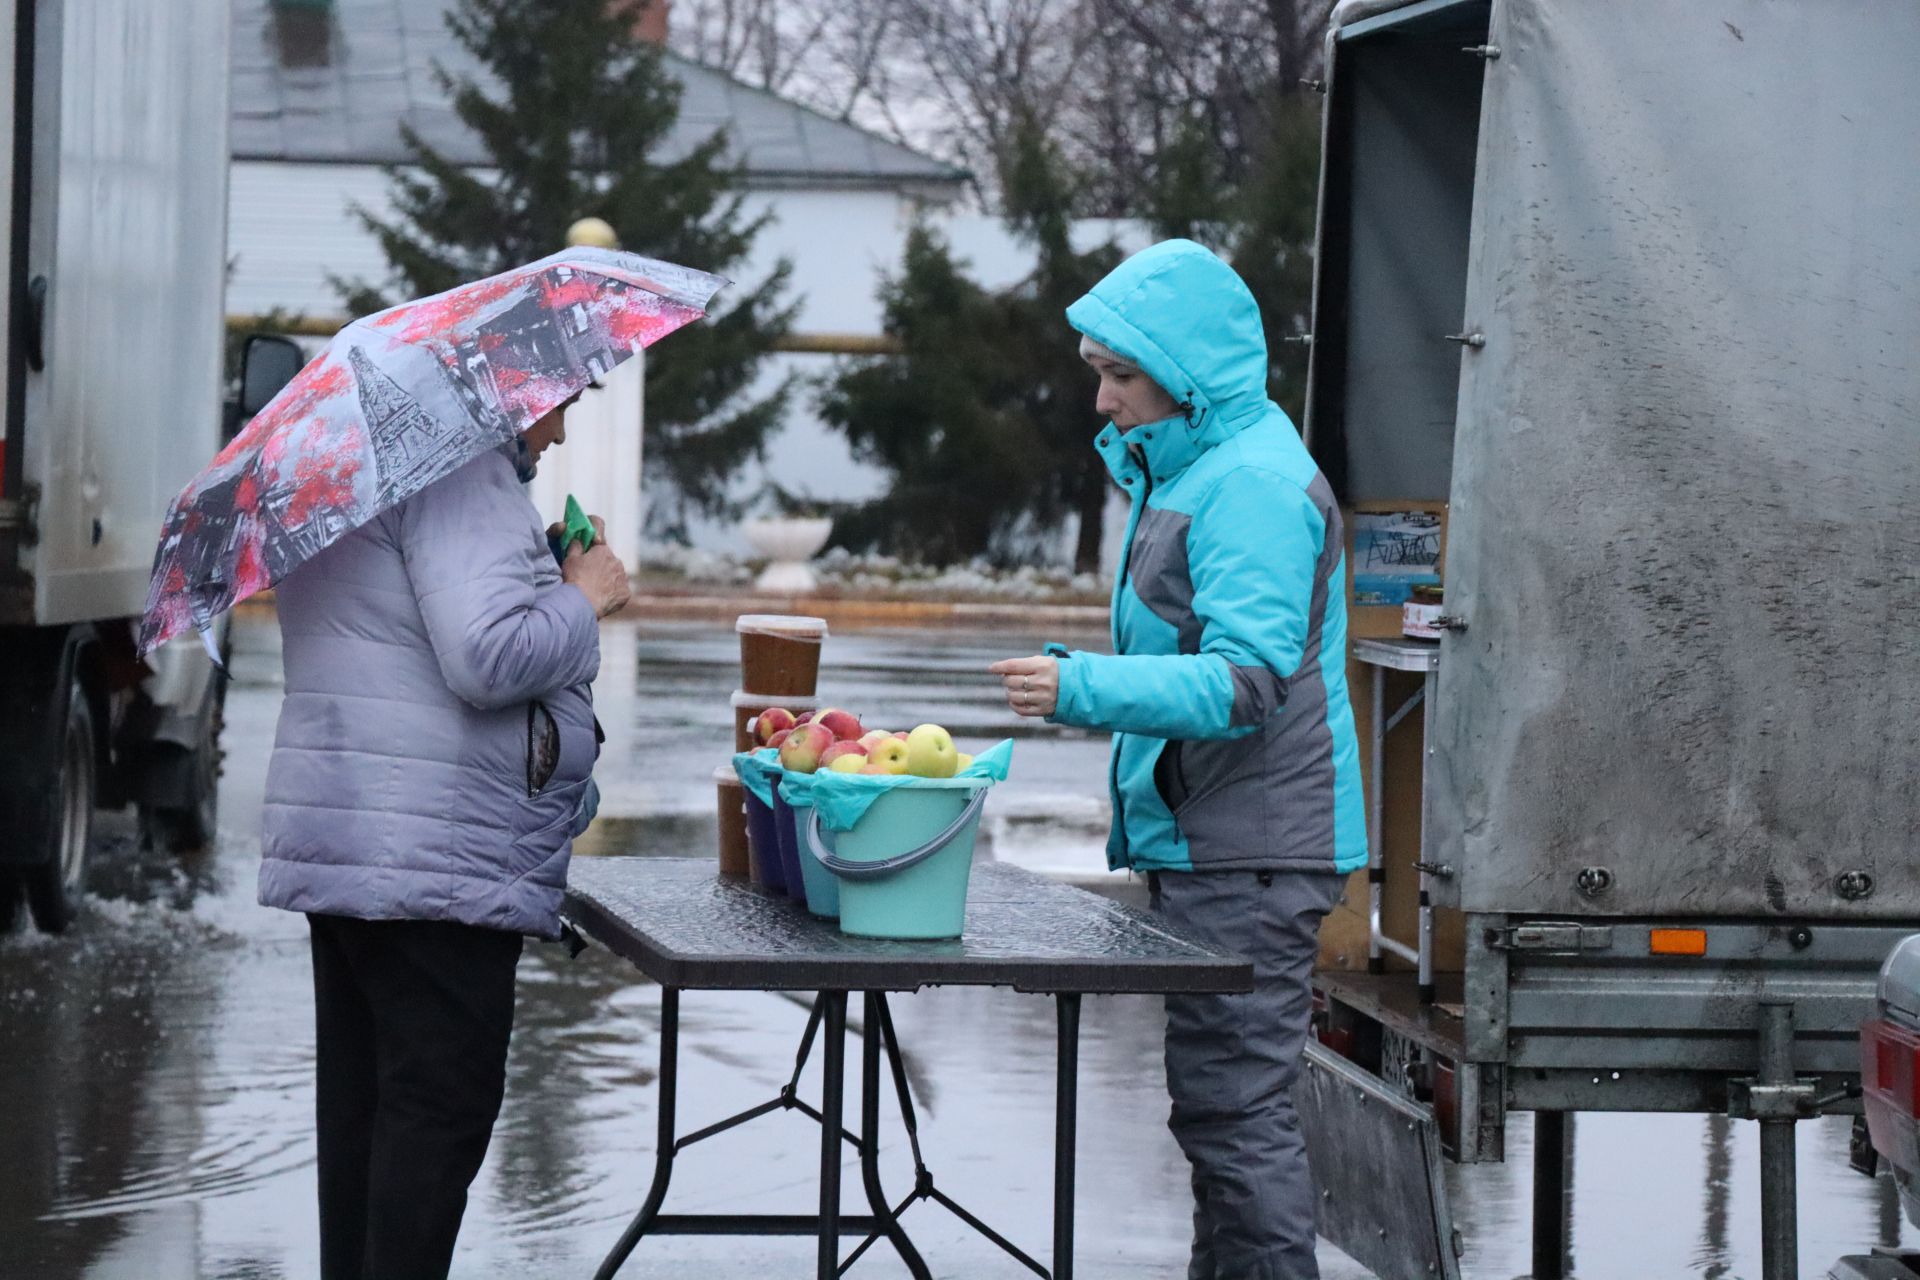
[577,526]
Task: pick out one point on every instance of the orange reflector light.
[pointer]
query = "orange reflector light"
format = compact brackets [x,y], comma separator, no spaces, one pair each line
[1677,942]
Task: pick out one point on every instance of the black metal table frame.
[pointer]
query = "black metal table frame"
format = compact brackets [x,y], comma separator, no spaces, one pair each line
[830,1013]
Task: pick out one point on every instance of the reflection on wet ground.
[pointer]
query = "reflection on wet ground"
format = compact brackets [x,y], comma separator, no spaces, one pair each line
[156,1061]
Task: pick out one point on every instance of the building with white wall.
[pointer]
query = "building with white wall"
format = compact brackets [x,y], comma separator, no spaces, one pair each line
[322,88]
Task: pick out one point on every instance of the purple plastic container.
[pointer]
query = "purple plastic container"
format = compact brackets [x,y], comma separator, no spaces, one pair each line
[789,848]
[763,845]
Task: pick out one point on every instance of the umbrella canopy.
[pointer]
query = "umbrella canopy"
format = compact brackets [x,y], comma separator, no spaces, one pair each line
[398,400]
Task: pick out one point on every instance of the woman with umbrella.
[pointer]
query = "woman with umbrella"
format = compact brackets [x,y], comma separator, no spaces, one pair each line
[437,736]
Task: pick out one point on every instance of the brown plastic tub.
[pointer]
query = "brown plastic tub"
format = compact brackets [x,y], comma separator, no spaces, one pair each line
[780,654]
[748,705]
[732,800]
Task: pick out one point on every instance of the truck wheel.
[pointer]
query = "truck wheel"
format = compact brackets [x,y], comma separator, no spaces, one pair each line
[53,886]
[192,777]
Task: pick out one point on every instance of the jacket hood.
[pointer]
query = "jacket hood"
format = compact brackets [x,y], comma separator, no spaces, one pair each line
[1189,321]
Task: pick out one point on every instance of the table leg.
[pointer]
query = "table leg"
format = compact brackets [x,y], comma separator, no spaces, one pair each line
[878,1028]
[664,1140]
[1066,1131]
[833,1092]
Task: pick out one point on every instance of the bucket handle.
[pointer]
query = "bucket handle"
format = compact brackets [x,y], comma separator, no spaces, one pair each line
[900,861]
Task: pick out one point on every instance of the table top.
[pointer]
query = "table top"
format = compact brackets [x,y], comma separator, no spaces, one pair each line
[686,926]
[1399,653]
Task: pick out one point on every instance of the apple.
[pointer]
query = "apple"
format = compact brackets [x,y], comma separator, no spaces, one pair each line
[803,748]
[876,771]
[890,754]
[844,724]
[843,751]
[871,740]
[770,722]
[901,736]
[964,763]
[852,762]
[778,740]
[931,753]
[805,717]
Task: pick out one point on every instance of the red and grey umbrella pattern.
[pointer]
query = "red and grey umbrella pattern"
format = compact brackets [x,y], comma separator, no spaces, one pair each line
[398,400]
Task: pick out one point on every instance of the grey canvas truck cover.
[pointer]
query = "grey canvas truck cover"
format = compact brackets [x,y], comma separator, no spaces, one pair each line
[1682,449]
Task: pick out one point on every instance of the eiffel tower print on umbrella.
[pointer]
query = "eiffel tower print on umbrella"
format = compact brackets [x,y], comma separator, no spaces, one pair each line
[396,401]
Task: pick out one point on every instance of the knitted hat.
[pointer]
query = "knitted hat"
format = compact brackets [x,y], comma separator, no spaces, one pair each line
[1091,350]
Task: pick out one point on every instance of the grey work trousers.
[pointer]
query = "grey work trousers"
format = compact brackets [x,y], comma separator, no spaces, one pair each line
[1231,1064]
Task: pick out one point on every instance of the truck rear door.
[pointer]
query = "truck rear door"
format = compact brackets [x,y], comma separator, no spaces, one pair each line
[128,200]
[1683,461]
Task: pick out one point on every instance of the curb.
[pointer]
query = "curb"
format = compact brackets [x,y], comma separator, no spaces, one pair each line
[842,611]
[848,611]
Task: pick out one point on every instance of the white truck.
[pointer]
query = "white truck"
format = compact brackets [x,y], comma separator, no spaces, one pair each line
[112,244]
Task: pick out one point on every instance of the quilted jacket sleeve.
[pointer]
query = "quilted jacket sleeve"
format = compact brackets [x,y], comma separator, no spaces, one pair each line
[500,634]
[1253,548]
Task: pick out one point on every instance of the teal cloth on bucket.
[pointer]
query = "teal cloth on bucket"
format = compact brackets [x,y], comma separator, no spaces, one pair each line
[841,799]
[797,788]
[759,772]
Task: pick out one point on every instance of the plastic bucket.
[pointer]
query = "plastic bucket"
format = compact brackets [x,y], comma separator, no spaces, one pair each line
[747,705]
[903,868]
[780,654]
[731,809]
[763,845]
[789,847]
[823,889]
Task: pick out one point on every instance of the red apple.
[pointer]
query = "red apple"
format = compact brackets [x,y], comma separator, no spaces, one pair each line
[844,724]
[778,740]
[840,749]
[803,748]
[877,771]
[901,735]
[770,722]
[873,739]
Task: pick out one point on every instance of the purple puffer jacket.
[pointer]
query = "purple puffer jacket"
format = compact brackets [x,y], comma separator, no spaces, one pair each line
[438,725]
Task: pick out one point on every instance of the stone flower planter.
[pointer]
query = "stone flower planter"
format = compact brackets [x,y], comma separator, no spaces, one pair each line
[788,542]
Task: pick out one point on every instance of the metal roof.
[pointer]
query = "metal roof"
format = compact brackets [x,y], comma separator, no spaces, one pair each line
[334,83]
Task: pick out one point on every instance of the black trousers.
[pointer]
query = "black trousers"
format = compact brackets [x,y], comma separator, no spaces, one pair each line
[413,1019]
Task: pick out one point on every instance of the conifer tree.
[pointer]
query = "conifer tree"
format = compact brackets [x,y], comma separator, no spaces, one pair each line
[985,421]
[577,113]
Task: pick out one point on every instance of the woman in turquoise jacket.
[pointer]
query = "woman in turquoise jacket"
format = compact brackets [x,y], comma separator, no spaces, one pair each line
[1235,774]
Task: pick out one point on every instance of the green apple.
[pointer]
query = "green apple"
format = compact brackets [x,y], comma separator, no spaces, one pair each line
[965,763]
[889,754]
[931,753]
[852,762]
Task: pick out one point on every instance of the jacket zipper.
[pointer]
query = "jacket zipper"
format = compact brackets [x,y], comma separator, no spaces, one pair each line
[1139,457]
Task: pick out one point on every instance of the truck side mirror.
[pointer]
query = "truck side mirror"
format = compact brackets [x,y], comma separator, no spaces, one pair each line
[267,364]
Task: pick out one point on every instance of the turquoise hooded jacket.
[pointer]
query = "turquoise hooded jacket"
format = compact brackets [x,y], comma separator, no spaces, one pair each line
[1226,692]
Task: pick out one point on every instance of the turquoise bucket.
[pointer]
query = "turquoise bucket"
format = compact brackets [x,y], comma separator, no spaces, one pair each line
[822,889]
[903,867]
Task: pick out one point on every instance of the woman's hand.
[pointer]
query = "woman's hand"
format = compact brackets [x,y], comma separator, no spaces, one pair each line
[1032,684]
[598,573]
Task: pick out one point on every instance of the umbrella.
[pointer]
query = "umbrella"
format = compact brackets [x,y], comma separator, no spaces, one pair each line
[398,400]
